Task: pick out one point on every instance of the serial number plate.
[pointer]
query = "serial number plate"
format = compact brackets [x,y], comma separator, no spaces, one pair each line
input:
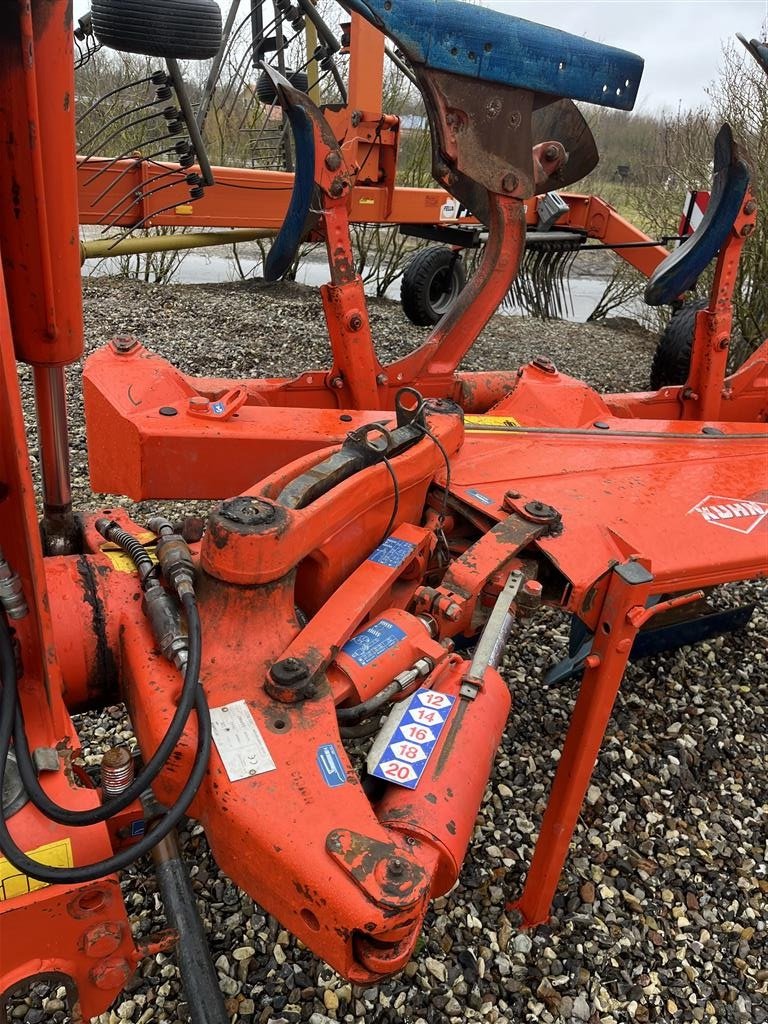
[239,742]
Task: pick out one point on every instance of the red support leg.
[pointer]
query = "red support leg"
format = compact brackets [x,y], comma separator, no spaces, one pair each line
[629,588]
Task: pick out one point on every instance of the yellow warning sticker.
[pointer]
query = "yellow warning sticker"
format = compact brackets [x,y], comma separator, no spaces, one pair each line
[121,561]
[14,883]
[489,422]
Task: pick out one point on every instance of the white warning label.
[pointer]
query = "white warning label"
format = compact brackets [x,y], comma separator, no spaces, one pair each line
[239,742]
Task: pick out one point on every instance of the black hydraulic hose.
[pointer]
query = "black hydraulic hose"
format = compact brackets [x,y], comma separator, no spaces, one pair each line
[121,860]
[359,712]
[156,763]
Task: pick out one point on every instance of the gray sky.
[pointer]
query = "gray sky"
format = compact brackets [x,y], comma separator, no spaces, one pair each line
[681,40]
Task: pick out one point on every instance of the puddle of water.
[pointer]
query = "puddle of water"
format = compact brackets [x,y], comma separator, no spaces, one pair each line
[201,267]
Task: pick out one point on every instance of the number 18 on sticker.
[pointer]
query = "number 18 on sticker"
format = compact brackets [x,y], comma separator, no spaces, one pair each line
[411,734]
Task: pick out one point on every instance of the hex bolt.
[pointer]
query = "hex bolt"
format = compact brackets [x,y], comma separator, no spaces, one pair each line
[124,344]
[337,382]
[355,321]
[336,188]
[381,378]
[509,182]
[289,681]
[747,230]
[333,161]
[452,612]
[750,207]
[544,364]
[395,867]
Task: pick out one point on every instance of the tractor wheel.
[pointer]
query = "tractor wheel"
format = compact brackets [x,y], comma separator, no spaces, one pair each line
[672,358]
[265,88]
[184,29]
[432,280]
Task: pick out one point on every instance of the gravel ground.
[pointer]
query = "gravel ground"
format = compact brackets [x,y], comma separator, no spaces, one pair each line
[661,912]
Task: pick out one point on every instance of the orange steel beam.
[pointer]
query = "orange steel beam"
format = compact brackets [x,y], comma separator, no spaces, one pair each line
[366,66]
[253,198]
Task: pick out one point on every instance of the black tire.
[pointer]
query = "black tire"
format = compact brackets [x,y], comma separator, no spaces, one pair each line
[265,87]
[184,29]
[672,358]
[432,280]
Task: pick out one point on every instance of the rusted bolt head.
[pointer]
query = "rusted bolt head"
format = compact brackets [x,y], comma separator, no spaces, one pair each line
[452,612]
[540,512]
[333,161]
[395,867]
[551,153]
[747,230]
[289,669]
[336,188]
[355,320]
[289,681]
[247,511]
[125,344]
[750,207]
[337,382]
[544,364]
[509,499]
[509,182]
[191,528]
[198,402]
[115,758]
[101,940]
[381,378]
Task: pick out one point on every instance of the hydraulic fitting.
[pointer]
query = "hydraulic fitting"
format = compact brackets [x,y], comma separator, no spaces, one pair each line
[174,556]
[166,622]
[11,592]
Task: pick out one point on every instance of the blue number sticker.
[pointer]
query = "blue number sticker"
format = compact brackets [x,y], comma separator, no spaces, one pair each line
[415,736]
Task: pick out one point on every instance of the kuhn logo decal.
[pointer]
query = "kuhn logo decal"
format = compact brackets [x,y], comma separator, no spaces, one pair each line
[739,514]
